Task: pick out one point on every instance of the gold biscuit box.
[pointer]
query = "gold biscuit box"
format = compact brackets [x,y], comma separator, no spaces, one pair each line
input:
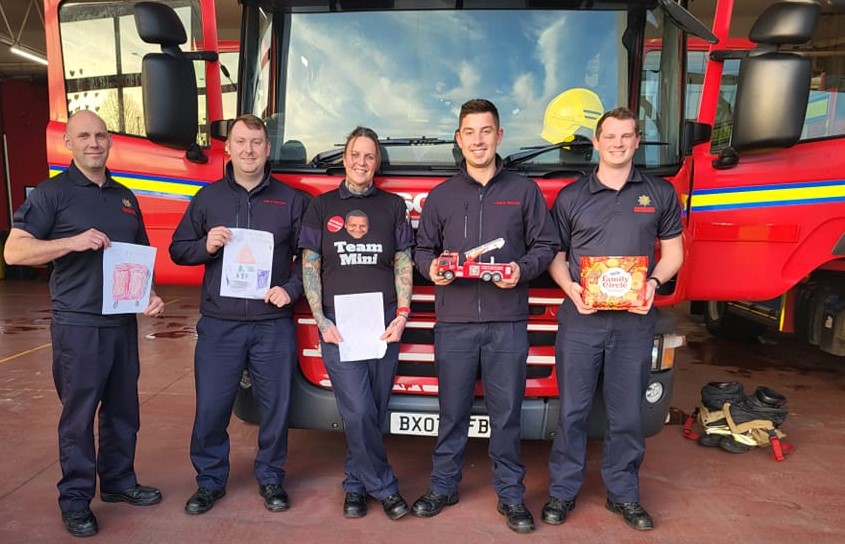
[614,283]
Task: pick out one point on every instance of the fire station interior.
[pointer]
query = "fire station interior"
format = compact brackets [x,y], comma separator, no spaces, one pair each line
[782,492]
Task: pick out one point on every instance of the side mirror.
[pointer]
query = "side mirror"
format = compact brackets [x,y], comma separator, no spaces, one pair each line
[773,87]
[220,129]
[771,101]
[695,133]
[168,79]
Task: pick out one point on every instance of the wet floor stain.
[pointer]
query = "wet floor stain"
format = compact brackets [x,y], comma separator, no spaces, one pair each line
[181,333]
[6,329]
[172,326]
[170,334]
[15,326]
[777,352]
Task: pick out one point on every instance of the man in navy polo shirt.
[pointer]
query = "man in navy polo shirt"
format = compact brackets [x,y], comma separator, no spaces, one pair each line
[615,211]
[240,331]
[68,220]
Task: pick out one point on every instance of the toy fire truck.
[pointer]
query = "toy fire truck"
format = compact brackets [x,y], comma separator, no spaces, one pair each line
[449,265]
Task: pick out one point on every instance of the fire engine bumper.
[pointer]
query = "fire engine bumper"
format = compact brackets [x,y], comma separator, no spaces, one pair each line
[314,407]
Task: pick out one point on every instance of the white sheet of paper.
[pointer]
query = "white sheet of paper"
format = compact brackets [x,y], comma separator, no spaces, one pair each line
[360,321]
[127,277]
[247,264]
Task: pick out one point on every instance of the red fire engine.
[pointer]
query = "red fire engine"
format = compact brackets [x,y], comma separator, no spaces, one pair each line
[450,267]
[761,214]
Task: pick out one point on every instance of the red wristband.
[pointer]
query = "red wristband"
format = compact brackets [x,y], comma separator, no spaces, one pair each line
[404,312]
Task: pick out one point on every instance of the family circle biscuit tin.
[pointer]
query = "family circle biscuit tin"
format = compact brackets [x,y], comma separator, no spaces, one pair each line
[614,283]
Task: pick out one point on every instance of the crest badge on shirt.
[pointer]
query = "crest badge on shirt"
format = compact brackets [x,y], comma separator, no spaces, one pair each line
[644,205]
[127,207]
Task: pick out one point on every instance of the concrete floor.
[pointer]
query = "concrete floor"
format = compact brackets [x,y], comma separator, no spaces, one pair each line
[695,494]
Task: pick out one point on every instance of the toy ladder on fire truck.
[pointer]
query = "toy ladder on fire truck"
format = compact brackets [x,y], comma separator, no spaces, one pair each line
[474,253]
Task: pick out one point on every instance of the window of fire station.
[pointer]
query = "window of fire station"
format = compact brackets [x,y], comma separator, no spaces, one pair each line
[825,117]
[102,56]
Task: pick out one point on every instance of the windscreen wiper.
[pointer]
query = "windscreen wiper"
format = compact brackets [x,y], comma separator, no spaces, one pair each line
[531,152]
[330,157]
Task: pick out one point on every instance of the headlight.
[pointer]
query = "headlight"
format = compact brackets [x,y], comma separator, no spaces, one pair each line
[663,351]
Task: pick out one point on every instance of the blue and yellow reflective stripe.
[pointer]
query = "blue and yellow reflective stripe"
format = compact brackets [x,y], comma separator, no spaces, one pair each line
[147,185]
[760,196]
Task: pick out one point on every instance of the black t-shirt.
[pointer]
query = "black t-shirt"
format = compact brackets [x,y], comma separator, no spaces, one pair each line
[65,206]
[594,220]
[357,237]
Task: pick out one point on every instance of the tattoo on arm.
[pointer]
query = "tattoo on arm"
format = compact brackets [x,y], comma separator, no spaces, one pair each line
[403,272]
[313,286]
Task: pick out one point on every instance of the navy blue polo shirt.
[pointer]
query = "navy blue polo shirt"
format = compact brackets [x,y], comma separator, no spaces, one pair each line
[65,206]
[594,220]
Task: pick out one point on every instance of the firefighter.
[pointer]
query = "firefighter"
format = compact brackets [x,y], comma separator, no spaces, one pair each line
[357,239]
[69,220]
[615,211]
[238,331]
[482,324]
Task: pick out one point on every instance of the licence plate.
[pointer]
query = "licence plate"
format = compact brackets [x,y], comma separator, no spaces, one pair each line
[427,424]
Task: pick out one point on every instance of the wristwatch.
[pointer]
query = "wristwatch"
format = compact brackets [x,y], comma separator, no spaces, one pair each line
[657,281]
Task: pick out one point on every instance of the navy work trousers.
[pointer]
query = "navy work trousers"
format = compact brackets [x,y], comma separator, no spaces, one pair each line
[617,344]
[362,392]
[96,370]
[267,349]
[501,351]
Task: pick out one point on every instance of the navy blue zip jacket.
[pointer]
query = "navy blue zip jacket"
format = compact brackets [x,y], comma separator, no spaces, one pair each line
[460,214]
[271,206]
